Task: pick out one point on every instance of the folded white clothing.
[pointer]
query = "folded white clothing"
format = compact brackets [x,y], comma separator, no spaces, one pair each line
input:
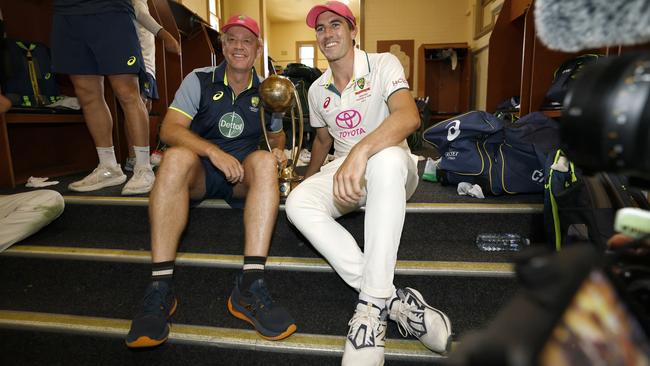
[37,182]
[467,189]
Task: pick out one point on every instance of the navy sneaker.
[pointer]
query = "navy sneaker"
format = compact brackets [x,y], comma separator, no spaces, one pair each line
[151,326]
[255,305]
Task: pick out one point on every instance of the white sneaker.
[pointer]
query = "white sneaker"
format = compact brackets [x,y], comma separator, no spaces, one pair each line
[414,316]
[141,182]
[103,176]
[364,344]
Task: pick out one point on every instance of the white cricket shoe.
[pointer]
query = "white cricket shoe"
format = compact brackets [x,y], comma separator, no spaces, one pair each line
[103,176]
[141,182]
[414,316]
[364,344]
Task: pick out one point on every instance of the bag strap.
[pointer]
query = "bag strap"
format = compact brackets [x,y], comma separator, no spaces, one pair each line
[549,187]
[32,71]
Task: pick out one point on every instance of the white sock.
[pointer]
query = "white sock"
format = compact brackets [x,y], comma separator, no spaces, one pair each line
[106,156]
[141,155]
[379,302]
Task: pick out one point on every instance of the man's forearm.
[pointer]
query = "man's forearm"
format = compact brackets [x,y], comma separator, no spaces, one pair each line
[176,135]
[319,151]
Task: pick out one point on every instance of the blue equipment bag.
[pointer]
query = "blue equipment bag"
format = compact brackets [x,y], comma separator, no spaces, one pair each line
[576,208]
[459,141]
[479,148]
[29,81]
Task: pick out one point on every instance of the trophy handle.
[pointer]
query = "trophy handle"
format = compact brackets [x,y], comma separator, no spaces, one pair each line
[264,133]
[295,153]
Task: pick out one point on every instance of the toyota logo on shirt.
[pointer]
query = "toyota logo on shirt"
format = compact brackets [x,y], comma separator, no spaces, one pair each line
[348,119]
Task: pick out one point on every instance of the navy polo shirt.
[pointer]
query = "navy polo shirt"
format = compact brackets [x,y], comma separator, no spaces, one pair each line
[232,123]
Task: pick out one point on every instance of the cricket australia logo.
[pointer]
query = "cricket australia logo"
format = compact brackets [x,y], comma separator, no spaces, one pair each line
[349,120]
[453,130]
[231,125]
[361,83]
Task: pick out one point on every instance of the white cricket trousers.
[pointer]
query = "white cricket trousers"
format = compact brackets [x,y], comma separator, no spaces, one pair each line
[23,214]
[391,178]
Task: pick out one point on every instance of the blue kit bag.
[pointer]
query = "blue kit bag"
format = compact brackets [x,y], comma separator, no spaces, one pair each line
[479,148]
[29,80]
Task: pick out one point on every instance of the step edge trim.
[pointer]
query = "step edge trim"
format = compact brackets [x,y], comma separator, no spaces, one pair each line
[410,207]
[404,267]
[396,349]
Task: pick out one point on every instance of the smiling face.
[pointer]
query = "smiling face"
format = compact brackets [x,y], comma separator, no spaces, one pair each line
[240,48]
[334,36]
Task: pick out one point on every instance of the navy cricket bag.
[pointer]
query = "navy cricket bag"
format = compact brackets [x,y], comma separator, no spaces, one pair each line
[479,148]
[460,141]
[29,80]
[576,208]
[520,160]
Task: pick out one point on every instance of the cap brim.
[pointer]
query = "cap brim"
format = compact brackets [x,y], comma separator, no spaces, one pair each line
[315,12]
[225,28]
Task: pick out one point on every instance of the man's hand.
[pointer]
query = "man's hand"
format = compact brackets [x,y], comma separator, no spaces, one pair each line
[228,164]
[171,44]
[279,156]
[348,178]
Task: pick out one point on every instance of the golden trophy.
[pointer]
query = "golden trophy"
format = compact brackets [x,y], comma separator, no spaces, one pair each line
[279,96]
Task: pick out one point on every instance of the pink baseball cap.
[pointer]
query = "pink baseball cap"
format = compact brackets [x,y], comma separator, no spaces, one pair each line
[333,6]
[242,21]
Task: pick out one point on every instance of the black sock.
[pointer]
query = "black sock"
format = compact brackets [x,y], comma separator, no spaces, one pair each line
[162,271]
[253,270]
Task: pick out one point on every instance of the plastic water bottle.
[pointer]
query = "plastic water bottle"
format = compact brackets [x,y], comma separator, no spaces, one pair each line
[501,242]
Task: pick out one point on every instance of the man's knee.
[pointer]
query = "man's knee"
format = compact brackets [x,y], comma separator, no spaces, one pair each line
[389,162]
[262,163]
[177,164]
[54,202]
[127,92]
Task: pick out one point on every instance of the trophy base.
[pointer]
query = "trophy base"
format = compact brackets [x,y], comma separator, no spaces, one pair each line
[286,186]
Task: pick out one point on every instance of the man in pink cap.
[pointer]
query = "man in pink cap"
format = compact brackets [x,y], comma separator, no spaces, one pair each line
[362,105]
[213,128]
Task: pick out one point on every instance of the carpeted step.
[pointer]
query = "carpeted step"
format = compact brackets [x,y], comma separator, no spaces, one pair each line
[426,236]
[320,302]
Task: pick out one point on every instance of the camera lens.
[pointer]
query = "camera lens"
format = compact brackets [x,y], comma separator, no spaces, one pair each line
[606,123]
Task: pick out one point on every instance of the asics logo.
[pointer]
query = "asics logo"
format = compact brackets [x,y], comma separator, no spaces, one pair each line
[453,130]
[131,61]
[326,103]
[217,95]
[348,119]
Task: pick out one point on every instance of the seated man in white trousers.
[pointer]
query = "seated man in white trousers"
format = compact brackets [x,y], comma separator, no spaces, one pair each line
[362,104]
[23,214]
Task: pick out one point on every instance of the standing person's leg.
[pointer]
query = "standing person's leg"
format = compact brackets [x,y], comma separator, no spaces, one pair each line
[127,90]
[181,178]
[90,92]
[260,187]
[23,214]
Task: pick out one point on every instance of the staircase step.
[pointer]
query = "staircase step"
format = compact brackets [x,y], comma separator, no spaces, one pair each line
[404,267]
[312,344]
[426,236]
[323,306]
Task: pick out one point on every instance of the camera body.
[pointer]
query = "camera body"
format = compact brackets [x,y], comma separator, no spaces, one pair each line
[606,123]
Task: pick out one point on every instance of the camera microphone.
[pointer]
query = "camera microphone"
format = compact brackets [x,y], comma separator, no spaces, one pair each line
[574,25]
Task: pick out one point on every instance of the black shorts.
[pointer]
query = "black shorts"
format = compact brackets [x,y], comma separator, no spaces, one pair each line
[216,185]
[148,86]
[95,44]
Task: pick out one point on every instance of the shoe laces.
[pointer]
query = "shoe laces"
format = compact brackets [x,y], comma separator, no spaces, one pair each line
[263,296]
[154,302]
[404,311]
[365,317]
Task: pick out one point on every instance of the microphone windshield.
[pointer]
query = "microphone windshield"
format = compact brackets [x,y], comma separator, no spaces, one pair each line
[575,25]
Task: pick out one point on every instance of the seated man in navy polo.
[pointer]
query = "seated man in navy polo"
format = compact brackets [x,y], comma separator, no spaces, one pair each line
[213,126]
